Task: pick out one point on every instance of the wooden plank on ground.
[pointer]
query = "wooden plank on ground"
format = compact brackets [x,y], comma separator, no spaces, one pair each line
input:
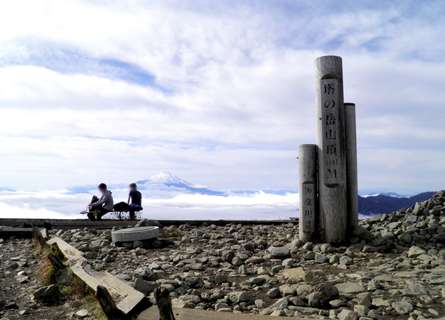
[125,296]
[194,314]
[71,254]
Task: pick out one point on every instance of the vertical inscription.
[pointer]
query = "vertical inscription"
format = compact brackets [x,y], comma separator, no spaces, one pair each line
[308,207]
[330,103]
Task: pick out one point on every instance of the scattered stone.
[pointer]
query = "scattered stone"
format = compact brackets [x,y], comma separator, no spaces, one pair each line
[274,293]
[322,294]
[48,295]
[348,288]
[145,286]
[82,313]
[402,307]
[346,314]
[279,252]
[240,296]
[415,251]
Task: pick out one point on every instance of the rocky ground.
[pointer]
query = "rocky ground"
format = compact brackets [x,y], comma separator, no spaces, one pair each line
[394,268]
[20,278]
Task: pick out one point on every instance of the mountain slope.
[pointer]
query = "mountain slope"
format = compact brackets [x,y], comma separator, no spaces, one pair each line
[384,204]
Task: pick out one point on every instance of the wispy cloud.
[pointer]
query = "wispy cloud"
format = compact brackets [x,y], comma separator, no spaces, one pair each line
[221,93]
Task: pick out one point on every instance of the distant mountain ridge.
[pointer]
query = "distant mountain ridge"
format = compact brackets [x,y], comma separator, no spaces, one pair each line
[166,184]
[383,203]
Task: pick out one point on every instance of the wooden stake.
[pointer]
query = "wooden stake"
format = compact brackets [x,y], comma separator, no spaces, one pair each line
[163,301]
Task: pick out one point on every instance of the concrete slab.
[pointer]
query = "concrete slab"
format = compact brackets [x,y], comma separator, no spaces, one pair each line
[135,234]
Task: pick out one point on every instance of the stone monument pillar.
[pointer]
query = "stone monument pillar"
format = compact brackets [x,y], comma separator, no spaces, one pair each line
[332,149]
[308,192]
[328,172]
[351,148]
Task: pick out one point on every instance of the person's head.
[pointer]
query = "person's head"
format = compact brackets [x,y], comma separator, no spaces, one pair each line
[133,187]
[102,187]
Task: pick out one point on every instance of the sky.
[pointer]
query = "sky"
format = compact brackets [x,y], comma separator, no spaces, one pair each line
[220,93]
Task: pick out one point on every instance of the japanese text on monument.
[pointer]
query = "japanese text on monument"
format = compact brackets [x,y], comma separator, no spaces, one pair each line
[308,207]
[330,101]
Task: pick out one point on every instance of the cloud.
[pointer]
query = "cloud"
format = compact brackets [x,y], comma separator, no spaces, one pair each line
[221,93]
[57,204]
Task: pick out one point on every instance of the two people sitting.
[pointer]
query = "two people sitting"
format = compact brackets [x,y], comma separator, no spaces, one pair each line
[99,207]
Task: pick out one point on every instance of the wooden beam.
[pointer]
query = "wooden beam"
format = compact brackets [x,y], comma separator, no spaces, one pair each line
[126,297]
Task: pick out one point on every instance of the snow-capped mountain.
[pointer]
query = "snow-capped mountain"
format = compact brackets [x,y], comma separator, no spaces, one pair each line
[160,183]
[168,182]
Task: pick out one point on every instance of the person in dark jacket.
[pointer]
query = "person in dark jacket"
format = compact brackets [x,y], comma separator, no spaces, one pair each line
[101,206]
[134,201]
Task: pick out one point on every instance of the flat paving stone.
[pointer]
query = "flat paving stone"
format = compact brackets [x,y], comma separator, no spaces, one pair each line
[135,234]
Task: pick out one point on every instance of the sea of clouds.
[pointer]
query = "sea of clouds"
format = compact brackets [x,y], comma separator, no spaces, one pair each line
[63,204]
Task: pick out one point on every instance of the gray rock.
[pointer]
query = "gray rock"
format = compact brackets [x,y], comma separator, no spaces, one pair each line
[288,290]
[186,301]
[48,295]
[82,313]
[145,286]
[347,288]
[259,303]
[415,251]
[361,310]
[279,252]
[240,296]
[258,281]
[274,293]
[345,260]
[310,255]
[320,258]
[364,299]
[321,295]
[346,314]
[402,307]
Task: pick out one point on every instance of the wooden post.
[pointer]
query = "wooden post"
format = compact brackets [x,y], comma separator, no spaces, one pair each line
[332,152]
[351,149]
[108,305]
[307,189]
[163,301]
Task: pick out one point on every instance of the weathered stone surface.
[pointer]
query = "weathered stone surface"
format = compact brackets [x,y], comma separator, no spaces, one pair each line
[82,313]
[322,294]
[240,296]
[134,234]
[415,251]
[402,307]
[350,287]
[346,314]
[145,286]
[279,252]
[293,274]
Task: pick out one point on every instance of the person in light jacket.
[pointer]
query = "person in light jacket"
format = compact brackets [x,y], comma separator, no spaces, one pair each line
[101,206]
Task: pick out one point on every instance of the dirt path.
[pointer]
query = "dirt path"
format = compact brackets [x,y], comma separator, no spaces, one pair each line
[19,266]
